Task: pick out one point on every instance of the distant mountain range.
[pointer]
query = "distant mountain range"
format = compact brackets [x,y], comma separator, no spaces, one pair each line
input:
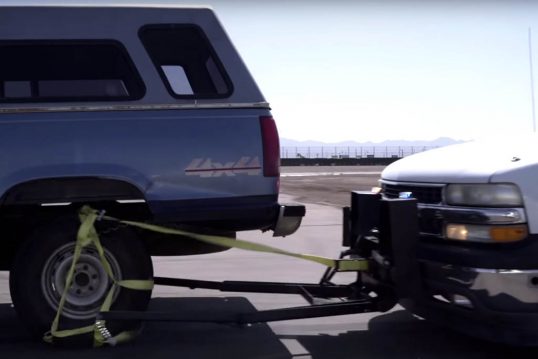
[439,142]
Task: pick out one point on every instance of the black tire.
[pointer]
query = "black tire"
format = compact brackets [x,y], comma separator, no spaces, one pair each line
[40,264]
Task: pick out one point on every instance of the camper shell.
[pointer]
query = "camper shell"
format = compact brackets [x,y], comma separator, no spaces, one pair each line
[134,103]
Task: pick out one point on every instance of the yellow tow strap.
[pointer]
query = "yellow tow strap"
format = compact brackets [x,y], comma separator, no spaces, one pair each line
[87,235]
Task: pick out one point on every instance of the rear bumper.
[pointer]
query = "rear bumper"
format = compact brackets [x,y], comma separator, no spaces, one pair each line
[235,214]
[289,219]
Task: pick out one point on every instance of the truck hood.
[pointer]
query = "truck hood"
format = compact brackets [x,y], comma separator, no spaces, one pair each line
[471,162]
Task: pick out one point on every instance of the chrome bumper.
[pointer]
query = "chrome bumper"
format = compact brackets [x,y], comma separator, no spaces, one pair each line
[501,290]
[289,219]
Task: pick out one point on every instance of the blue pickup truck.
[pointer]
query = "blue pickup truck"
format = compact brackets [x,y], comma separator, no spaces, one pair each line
[147,112]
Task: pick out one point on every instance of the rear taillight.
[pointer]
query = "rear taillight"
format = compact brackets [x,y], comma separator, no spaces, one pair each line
[271,147]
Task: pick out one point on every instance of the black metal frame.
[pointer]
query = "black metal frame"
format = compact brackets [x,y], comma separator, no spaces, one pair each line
[350,301]
[371,226]
[304,289]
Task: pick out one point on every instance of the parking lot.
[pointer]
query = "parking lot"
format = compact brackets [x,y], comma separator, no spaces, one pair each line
[396,334]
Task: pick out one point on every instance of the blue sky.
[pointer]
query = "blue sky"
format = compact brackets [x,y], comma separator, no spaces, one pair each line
[362,71]
[375,70]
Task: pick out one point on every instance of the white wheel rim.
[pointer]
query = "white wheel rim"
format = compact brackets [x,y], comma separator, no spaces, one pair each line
[90,281]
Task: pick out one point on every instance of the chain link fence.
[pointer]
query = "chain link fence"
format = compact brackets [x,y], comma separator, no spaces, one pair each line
[343,152]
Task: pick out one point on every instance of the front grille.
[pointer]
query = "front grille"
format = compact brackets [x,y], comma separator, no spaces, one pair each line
[429,222]
[423,194]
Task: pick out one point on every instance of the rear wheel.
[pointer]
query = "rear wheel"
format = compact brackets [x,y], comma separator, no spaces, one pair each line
[37,278]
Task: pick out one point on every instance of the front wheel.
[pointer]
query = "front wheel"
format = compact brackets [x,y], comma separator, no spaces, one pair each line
[38,275]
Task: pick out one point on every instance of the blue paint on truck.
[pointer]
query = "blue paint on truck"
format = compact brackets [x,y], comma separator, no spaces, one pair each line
[145,111]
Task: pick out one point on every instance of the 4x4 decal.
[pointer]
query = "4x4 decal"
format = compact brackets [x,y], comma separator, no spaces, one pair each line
[205,167]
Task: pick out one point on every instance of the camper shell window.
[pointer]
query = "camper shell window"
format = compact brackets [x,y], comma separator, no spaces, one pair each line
[65,71]
[186,61]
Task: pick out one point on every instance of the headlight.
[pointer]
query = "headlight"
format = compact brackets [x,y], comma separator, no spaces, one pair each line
[486,234]
[487,195]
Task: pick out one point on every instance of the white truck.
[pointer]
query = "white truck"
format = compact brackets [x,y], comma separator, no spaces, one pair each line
[477,247]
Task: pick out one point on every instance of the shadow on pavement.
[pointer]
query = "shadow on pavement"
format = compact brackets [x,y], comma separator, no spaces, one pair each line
[392,335]
[400,335]
[160,340]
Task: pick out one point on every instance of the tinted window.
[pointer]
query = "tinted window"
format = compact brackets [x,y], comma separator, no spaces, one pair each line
[41,71]
[186,61]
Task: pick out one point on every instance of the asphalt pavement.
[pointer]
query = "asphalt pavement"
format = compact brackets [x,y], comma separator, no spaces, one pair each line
[395,334]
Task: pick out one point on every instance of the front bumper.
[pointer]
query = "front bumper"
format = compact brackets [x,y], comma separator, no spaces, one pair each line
[497,305]
[484,291]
